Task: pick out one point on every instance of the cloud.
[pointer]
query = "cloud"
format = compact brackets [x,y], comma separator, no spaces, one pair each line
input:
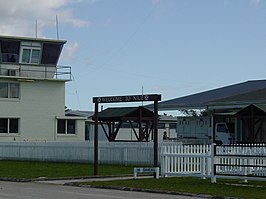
[255,3]
[18,17]
[69,50]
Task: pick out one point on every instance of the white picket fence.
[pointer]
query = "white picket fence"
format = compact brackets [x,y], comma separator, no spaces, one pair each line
[231,161]
[124,153]
[240,161]
[186,160]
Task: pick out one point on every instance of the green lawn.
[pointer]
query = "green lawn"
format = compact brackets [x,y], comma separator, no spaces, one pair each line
[29,170]
[196,185]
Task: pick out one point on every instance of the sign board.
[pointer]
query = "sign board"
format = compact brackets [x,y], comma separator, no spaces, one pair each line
[147,170]
[127,98]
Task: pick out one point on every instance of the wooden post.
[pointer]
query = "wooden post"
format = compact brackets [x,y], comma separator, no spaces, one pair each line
[155,141]
[129,98]
[96,164]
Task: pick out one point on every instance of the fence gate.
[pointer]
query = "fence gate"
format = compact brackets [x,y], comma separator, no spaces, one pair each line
[192,160]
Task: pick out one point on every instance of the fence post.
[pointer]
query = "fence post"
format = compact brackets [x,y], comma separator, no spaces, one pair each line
[213,171]
[125,156]
[202,165]
[245,161]
[162,160]
[209,167]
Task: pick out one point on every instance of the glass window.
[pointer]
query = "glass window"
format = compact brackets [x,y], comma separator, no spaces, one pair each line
[173,125]
[161,126]
[30,56]
[35,56]
[13,125]
[26,56]
[61,126]
[66,126]
[3,90]
[3,125]
[31,52]
[71,127]
[9,90]
[10,50]
[9,125]
[51,53]
[14,90]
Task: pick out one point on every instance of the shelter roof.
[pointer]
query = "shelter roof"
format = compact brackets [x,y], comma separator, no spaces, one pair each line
[258,110]
[245,93]
[79,113]
[119,113]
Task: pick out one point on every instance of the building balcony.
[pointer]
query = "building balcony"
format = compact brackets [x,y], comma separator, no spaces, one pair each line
[15,70]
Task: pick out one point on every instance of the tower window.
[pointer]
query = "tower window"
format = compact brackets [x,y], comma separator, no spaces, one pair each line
[31,52]
[9,51]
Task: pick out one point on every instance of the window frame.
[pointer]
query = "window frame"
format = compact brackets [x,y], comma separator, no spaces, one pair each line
[66,129]
[9,92]
[31,46]
[31,49]
[9,128]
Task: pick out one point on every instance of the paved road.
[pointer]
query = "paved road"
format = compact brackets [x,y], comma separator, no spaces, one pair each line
[13,190]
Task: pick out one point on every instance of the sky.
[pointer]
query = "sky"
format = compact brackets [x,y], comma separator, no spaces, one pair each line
[126,47]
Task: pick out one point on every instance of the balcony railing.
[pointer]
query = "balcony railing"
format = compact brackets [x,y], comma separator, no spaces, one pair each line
[63,72]
[35,71]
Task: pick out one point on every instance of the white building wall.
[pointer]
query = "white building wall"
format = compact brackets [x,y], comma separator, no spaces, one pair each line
[39,103]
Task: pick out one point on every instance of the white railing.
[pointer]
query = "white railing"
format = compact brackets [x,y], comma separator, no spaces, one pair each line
[14,70]
[229,161]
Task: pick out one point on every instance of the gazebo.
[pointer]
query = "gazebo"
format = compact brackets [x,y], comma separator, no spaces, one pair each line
[111,119]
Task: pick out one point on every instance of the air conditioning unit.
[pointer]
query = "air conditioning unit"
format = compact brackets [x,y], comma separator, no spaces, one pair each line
[12,72]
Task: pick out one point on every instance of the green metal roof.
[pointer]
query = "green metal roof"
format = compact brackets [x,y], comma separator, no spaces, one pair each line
[241,94]
[261,107]
[258,110]
[121,112]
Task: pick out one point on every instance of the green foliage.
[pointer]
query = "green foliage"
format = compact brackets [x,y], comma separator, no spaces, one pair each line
[194,113]
[190,112]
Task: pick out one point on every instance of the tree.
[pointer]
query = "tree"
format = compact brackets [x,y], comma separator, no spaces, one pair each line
[195,113]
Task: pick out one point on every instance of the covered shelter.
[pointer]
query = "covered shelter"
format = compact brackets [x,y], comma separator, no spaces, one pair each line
[234,96]
[128,98]
[114,118]
[241,105]
[253,119]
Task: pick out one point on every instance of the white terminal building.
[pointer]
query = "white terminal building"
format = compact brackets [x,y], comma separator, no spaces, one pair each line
[32,92]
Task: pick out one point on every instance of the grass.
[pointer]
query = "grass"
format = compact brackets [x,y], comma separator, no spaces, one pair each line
[256,190]
[30,170]
[228,188]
